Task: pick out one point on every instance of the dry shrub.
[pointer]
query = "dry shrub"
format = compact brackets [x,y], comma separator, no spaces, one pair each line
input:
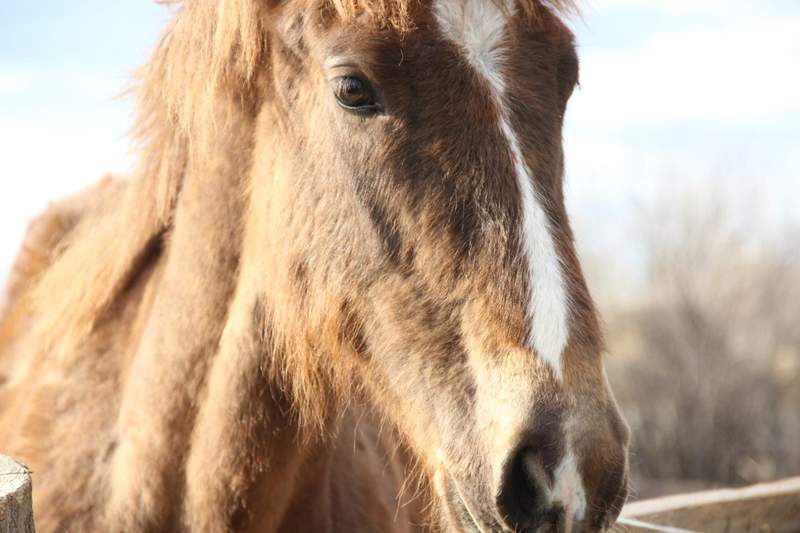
[707,363]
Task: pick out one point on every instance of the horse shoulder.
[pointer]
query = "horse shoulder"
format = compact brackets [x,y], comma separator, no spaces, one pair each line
[45,238]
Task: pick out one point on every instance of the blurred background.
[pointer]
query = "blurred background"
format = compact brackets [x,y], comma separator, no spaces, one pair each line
[683,183]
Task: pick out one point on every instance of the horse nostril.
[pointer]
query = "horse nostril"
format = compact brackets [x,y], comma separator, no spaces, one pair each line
[525,492]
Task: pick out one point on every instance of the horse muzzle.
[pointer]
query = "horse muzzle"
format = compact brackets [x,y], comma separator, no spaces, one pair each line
[528,500]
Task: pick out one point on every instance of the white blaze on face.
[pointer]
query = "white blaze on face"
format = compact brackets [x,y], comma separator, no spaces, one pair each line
[479,28]
[568,490]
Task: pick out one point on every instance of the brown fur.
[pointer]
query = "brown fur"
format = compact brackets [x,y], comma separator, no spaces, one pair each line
[281,326]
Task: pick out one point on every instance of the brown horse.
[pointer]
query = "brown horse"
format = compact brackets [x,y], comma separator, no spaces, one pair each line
[340,293]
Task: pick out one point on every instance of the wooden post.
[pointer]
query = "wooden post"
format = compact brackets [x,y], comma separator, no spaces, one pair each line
[16,505]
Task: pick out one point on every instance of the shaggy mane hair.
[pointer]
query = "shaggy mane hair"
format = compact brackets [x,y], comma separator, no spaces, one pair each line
[201,76]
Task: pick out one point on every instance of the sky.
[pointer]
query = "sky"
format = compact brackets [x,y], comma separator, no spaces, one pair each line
[674,94]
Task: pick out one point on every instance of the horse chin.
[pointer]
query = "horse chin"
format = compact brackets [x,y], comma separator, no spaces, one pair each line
[466,522]
[463,516]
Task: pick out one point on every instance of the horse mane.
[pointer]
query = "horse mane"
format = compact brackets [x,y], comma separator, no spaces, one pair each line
[201,76]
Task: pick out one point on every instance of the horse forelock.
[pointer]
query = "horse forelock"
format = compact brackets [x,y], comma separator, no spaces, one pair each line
[225,42]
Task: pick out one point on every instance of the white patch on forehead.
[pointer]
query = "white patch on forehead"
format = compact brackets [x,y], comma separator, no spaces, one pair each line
[478,27]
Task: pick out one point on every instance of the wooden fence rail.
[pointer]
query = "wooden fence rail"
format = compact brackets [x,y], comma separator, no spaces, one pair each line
[768,508]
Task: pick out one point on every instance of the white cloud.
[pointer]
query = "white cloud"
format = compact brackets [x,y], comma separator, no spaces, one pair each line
[60,130]
[738,72]
[41,163]
[677,92]
[16,80]
[13,80]
[690,7]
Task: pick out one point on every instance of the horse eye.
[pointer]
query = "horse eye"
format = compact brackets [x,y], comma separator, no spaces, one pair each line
[355,94]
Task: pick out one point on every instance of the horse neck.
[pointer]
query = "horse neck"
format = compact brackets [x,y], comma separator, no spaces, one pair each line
[211,374]
[197,384]
[295,490]
[244,444]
